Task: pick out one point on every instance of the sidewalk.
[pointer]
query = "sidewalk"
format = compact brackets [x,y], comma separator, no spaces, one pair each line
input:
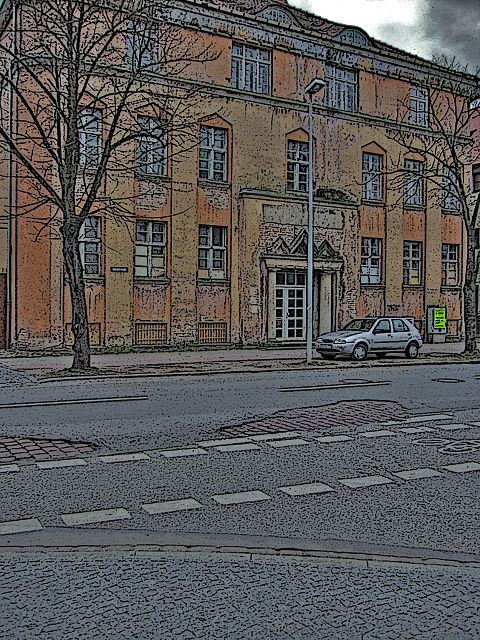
[170,362]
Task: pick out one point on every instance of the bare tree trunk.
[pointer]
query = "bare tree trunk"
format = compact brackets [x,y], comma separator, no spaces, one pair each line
[71,254]
[470,294]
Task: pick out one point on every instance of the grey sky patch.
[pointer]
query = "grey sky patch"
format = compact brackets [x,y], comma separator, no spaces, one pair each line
[453,29]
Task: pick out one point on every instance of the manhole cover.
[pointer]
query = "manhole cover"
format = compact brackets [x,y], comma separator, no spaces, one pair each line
[467,446]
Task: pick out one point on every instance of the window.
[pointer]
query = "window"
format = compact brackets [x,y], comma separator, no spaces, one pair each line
[399,326]
[414,194]
[372,177]
[297,166]
[276,15]
[476,177]
[412,263]
[89,134]
[450,265]
[352,36]
[140,46]
[383,326]
[213,154]
[371,260]
[341,90]
[89,243]
[251,69]
[152,147]
[418,106]
[150,249]
[212,250]
[450,189]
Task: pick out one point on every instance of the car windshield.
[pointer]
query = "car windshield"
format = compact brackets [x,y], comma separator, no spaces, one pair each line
[360,325]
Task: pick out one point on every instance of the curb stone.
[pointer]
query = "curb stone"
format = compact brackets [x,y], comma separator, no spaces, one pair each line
[315,367]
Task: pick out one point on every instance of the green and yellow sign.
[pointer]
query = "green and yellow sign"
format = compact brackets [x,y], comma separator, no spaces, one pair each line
[439,318]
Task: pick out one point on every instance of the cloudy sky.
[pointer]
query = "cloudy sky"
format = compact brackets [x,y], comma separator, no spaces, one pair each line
[424,27]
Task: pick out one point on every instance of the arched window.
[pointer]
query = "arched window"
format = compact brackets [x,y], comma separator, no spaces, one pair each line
[352,36]
[277,15]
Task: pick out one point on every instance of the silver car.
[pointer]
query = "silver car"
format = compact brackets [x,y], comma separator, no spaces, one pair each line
[371,335]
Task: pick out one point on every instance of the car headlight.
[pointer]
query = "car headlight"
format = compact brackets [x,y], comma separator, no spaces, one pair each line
[338,341]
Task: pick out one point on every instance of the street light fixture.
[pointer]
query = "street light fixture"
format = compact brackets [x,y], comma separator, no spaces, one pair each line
[316,85]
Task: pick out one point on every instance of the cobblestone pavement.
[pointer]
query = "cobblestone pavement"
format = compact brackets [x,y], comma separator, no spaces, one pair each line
[36,449]
[157,595]
[314,418]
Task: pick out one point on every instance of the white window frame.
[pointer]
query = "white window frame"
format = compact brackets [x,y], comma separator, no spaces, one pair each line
[90,137]
[152,147]
[450,265]
[89,242]
[212,254]
[297,166]
[372,177]
[151,249]
[251,69]
[414,191]
[418,113]
[341,91]
[371,261]
[213,159]
[140,35]
[412,263]
[450,200]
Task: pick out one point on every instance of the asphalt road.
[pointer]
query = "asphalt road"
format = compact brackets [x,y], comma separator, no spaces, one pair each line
[169,410]
[408,490]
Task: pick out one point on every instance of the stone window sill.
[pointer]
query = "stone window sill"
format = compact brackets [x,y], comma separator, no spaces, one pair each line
[140,280]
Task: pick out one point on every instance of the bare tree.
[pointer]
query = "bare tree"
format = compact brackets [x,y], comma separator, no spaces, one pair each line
[79,73]
[448,151]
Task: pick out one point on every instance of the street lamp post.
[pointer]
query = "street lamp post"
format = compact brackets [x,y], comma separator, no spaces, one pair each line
[313,87]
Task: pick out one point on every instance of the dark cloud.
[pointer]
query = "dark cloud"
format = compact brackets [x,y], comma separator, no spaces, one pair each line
[453,26]
[443,28]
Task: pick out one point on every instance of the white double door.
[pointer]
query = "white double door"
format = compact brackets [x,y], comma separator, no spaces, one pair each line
[290,305]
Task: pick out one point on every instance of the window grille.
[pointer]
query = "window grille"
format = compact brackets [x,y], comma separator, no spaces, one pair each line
[89,135]
[251,69]
[141,43]
[418,106]
[89,240]
[212,250]
[372,177]
[150,249]
[371,261]
[341,91]
[213,154]
[152,147]
[414,189]
[450,265]
[212,332]
[450,189]
[150,333]
[297,166]
[412,263]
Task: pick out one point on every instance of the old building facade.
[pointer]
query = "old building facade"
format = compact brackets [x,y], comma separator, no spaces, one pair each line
[214,250]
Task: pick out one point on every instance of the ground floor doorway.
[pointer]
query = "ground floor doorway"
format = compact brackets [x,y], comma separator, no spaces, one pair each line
[290,305]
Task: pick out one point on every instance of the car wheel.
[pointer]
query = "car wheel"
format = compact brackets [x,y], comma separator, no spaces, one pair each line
[359,352]
[412,350]
[328,356]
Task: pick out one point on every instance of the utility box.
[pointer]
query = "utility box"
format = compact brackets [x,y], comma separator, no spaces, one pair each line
[436,324]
